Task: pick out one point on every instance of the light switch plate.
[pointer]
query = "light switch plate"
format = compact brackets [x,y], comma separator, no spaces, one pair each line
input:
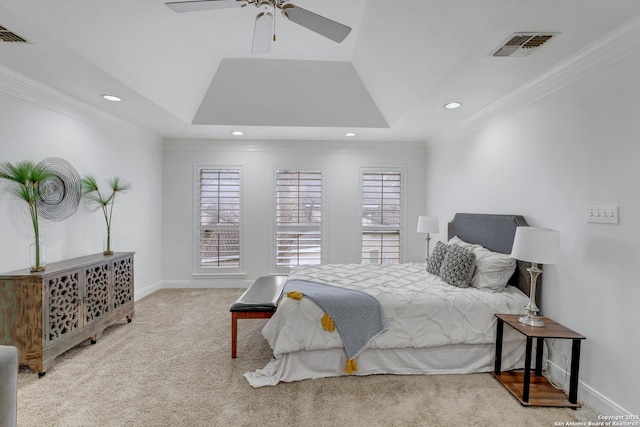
[607,214]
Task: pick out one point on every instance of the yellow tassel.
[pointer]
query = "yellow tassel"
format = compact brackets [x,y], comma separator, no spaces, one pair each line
[327,323]
[351,367]
[295,295]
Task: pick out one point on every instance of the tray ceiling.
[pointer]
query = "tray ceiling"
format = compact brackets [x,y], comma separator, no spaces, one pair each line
[192,75]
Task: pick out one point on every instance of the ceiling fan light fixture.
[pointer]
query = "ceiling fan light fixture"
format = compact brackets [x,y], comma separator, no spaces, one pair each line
[266,5]
[452,105]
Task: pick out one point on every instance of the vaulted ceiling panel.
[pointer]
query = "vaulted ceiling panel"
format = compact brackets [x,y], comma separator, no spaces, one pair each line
[192,75]
[279,92]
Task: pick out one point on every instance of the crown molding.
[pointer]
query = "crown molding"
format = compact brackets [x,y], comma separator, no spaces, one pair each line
[614,46]
[184,145]
[27,89]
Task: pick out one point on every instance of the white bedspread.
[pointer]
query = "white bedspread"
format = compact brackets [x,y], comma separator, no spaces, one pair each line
[422,309]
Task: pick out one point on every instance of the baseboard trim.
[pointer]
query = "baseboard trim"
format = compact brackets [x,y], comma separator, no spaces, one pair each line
[190,284]
[587,394]
[147,290]
[208,283]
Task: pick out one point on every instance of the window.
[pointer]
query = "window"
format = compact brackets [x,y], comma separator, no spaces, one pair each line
[381,213]
[218,216]
[298,218]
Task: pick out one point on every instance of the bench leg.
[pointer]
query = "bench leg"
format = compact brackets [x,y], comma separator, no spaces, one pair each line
[234,334]
[235,315]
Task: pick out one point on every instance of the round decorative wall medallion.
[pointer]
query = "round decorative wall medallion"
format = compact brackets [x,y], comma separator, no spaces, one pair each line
[60,194]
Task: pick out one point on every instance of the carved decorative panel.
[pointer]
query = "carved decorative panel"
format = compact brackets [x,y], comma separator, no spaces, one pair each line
[63,305]
[122,282]
[46,313]
[97,289]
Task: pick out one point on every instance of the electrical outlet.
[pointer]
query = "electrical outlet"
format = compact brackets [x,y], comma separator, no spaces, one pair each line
[144,278]
[603,214]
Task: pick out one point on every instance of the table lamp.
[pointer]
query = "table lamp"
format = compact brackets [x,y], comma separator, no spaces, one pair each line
[428,224]
[537,246]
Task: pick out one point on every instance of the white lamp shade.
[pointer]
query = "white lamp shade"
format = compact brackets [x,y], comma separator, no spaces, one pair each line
[538,245]
[428,224]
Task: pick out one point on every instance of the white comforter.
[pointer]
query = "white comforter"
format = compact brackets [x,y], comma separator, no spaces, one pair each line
[423,310]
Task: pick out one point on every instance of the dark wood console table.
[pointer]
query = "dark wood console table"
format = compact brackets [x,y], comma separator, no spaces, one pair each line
[46,313]
[535,390]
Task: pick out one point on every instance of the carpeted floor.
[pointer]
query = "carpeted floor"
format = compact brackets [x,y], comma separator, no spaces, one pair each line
[172,367]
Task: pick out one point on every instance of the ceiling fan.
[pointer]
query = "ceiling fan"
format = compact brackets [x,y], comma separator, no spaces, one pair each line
[264,25]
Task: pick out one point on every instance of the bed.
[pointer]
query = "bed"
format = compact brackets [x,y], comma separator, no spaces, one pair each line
[430,326]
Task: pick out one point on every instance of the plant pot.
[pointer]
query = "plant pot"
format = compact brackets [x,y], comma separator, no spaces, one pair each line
[37,256]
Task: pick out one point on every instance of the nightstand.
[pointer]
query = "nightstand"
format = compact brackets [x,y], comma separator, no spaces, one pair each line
[534,389]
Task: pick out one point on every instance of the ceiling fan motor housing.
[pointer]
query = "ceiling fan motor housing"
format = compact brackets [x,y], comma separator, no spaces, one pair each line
[266,5]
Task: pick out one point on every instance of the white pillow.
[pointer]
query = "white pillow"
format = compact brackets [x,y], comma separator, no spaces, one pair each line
[493,269]
[455,240]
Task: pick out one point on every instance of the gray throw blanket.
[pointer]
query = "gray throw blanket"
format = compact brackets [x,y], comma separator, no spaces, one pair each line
[358,316]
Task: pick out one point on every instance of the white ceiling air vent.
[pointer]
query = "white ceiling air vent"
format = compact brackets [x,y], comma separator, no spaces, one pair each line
[9,37]
[523,44]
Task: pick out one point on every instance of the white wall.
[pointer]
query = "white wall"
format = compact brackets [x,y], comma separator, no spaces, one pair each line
[31,132]
[549,161]
[340,165]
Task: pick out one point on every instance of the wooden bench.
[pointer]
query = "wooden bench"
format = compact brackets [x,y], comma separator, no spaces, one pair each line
[259,301]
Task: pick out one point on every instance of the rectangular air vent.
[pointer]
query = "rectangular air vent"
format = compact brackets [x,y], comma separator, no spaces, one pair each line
[9,37]
[523,44]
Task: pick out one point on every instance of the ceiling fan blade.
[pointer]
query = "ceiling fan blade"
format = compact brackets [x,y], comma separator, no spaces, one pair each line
[262,32]
[324,26]
[198,5]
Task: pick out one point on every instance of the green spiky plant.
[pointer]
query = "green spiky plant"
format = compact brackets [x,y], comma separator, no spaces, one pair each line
[93,195]
[24,181]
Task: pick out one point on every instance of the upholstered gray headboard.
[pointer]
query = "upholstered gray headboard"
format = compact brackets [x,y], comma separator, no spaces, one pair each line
[496,233]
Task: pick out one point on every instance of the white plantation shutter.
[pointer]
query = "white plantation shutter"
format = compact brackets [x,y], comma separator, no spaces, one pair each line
[381,213]
[298,218]
[219,219]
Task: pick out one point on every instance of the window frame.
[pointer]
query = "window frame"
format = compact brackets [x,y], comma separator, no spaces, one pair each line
[274,216]
[402,215]
[198,270]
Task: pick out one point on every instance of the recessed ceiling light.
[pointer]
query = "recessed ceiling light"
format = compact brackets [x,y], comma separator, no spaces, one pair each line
[237,133]
[349,134]
[452,105]
[113,98]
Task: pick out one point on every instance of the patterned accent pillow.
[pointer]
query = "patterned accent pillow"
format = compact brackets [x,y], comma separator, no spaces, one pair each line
[436,258]
[458,266]
[505,275]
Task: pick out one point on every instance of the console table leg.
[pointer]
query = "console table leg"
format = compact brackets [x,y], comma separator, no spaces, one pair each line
[539,348]
[527,370]
[575,366]
[499,331]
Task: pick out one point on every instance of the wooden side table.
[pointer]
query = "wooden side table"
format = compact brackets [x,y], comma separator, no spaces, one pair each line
[535,390]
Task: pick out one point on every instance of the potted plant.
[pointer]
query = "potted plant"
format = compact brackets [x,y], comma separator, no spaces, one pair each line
[91,193]
[24,182]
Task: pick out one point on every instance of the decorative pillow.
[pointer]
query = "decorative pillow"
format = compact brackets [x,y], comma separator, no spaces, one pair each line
[436,258]
[455,240]
[458,266]
[493,269]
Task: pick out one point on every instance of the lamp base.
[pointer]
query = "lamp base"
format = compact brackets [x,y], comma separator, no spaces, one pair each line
[531,320]
[531,317]
[426,258]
